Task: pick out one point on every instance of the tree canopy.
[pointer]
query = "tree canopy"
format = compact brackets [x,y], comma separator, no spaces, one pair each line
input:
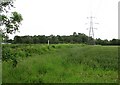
[75,38]
[9,21]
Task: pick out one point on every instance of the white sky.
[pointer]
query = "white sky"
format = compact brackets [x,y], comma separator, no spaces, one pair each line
[63,17]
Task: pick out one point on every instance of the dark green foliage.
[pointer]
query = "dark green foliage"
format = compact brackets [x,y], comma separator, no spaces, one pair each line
[23,50]
[15,62]
[53,46]
[9,24]
[73,39]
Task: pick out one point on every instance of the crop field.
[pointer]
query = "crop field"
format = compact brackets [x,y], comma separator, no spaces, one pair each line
[59,63]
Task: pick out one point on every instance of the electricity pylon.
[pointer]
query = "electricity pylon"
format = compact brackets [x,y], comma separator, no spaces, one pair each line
[91,30]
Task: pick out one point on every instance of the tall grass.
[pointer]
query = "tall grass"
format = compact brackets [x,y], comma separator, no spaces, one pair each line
[0,72]
[62,63]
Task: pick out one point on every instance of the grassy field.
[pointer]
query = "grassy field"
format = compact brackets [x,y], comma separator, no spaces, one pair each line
[60,63]
[0,61]
[0,72]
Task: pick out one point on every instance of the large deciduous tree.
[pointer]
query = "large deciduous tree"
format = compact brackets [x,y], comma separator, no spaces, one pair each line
[9,21]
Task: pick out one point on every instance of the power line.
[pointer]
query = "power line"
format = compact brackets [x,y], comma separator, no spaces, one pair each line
[91,29]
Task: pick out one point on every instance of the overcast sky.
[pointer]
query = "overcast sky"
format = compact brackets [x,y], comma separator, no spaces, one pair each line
[63,17]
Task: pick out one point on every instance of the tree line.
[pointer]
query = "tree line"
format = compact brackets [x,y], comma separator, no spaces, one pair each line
[75,38]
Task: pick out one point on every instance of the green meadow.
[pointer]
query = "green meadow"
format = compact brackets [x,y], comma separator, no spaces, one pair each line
[0,71]
[59,63]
